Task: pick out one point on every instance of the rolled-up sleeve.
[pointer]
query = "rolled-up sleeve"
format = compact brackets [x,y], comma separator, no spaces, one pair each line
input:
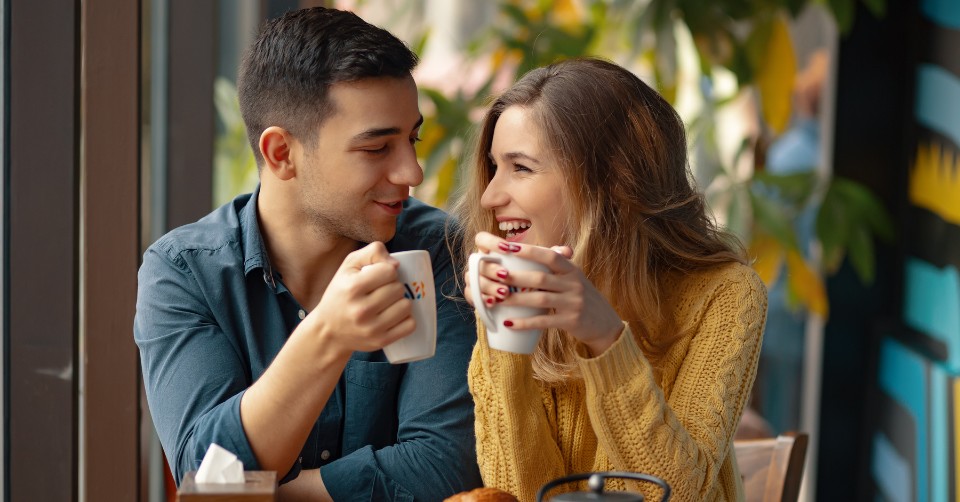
[435,454]
[193,374]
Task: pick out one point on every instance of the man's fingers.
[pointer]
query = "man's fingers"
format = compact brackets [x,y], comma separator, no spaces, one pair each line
[372,253]
[394,314]
[400,330]
[384,296]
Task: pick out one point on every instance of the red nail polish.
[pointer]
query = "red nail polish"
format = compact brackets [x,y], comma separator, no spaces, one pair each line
[502,291]
[489,301]
[499,300]
[508,323]
[514,247]
[504,246]
[502,273]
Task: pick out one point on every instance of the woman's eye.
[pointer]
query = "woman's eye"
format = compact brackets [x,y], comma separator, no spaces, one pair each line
[521,168]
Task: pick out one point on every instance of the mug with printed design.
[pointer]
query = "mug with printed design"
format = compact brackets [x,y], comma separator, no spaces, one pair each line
[416,274]
[499,336]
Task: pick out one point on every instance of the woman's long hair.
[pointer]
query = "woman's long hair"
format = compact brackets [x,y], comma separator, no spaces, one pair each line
[637,217]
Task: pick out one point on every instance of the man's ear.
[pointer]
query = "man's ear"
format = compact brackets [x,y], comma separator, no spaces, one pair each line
[277,147]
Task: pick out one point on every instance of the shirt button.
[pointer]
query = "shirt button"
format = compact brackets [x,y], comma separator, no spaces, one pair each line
[301,460]
[301,314]
[325,454]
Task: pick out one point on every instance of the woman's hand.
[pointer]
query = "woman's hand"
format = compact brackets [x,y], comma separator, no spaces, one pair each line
[492,291]
[575,304]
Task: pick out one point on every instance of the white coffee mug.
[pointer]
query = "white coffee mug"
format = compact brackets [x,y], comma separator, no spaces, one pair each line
[416,274]
[499,336]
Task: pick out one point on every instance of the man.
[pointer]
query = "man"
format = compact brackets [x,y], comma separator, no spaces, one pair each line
[260,326]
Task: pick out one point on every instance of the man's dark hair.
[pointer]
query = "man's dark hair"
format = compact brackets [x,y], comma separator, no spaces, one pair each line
[286,74]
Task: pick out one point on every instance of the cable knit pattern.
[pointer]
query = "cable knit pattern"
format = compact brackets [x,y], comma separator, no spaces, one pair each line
[676,423]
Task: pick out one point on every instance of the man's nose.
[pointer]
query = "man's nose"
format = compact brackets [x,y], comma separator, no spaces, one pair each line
[407,171]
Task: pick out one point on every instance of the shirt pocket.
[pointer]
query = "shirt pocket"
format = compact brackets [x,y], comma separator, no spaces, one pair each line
[370,404]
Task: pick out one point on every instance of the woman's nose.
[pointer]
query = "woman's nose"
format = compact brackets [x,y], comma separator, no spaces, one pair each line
[494,195]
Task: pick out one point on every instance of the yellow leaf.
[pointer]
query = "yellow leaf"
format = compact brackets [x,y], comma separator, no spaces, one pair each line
[567,15]
[806,284]
[775,76]
[767,255]
[430,136]
[498,57]
[446,176]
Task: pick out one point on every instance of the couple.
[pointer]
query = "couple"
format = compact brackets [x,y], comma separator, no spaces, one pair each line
[259,331]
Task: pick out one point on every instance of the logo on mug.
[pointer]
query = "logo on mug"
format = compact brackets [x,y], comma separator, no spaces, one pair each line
[414,290]
[514,289]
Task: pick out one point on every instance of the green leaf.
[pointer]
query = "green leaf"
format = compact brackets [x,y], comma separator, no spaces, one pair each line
[866,206]
[739,214]
[773,220]
[843,12]
[661,12]
[860,252]
[876,7]
[832,228]
[515,13]
[420,44]
[740,63]
[796,6]
[795,188]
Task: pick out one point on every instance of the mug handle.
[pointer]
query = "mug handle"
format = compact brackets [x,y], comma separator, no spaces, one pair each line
[473,268]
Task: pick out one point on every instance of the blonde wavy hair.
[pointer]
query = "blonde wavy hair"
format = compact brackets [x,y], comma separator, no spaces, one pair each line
[636,215]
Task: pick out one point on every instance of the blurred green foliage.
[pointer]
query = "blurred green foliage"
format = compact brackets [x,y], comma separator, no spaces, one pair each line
[747,38]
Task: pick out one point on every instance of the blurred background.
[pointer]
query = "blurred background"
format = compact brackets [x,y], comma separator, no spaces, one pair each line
[824,133]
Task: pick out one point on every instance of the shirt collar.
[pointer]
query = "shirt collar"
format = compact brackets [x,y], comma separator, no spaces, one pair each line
[254,253]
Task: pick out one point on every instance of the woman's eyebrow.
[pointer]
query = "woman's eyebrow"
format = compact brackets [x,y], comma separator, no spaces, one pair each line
[520,155]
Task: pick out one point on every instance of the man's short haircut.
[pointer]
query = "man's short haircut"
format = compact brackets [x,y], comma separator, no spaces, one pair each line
[285,76]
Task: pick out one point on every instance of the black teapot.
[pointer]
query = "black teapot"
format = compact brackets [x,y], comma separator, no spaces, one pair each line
[595,481]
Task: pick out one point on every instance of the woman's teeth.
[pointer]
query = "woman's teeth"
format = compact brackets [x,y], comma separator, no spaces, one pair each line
[511,227]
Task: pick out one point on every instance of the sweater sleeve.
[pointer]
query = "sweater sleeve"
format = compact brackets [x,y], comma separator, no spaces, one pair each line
[516,428]
[685,438]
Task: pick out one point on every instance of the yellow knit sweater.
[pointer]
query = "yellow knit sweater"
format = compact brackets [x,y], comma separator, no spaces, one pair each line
[676,422]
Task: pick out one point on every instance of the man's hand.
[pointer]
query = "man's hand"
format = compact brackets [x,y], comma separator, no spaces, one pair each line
[363,308]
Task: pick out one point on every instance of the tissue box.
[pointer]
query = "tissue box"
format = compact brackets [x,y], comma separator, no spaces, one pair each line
[261,486]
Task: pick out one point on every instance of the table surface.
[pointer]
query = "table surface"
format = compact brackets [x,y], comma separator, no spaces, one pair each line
[258,483]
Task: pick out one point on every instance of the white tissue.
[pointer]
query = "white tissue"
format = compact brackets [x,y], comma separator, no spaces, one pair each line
[219,466]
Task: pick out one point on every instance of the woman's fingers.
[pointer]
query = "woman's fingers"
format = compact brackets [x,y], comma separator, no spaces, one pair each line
[491,289]
[559,302]
[487,242]
[557,258]
[524,280]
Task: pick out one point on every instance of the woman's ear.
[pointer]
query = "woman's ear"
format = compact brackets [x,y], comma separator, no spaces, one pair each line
[277,147]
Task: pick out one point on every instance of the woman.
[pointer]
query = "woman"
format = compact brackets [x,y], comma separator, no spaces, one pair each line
[654,327]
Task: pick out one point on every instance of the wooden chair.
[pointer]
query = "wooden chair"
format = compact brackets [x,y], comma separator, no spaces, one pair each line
[772,468]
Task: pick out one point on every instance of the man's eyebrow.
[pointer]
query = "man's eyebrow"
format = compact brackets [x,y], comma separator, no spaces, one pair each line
[384,131]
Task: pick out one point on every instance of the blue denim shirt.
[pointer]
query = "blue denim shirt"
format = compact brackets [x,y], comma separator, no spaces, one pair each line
[212,315]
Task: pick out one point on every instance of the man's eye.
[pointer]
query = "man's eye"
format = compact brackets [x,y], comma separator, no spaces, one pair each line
[382,149]
[416,139]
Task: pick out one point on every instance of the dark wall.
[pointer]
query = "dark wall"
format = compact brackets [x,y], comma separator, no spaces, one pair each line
[872,145]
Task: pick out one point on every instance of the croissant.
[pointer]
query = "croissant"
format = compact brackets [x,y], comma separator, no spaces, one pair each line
[482,495]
